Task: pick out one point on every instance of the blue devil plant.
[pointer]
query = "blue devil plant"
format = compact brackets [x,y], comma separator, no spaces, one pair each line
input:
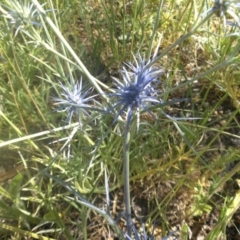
[137,88]
[222,8]
[74,99]
[21,14]
[135,92]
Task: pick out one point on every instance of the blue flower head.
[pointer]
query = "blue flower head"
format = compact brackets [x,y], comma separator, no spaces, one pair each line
[136,91]
[74,100]
[20,14]
[223,7]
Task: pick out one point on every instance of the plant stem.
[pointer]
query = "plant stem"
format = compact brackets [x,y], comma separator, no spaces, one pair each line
[126,145]
[154,30]
[180,40]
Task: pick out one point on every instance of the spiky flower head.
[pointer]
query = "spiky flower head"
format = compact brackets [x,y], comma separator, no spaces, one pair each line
[221,7]
[20,14]
[225,7]
[73,100]
[137,90]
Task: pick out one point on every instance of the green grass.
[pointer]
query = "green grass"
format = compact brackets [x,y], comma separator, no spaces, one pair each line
[183,172]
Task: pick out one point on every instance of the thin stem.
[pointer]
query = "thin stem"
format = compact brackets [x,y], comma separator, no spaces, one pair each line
[180,40]
[223,64]
[126,146]
[154,29]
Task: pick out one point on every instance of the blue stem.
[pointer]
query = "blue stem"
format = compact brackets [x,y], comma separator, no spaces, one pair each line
[180,40]
[126,146]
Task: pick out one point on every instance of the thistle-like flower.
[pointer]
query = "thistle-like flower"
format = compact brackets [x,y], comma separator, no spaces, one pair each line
[223,7]
[20,14]
[74,101]
[136,92]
